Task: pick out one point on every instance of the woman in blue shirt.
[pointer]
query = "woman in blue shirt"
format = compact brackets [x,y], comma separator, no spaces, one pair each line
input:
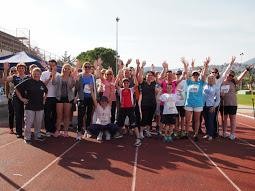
[194,100]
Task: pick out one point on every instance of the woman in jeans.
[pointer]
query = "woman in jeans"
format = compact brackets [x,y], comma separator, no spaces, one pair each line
[65,96]
[84,83]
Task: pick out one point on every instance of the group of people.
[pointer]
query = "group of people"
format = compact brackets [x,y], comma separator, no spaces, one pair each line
[104,102]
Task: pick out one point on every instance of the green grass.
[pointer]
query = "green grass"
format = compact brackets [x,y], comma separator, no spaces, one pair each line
[245,99]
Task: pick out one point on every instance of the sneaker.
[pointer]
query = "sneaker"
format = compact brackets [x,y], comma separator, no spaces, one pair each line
[210,138]
[175,135]
[147,133]
[165,139]
[78,137]
[19,136]
[118,135]
[169,139]
[100,136]
[184,135]
[39,138]
[65,134]
[87,134]
[48,134]
[141,135]
[11,131]
[206,137]
[195,138]
[225,135]
[28,141]
[138,142]
[107,136]
[56,134]
[232,137]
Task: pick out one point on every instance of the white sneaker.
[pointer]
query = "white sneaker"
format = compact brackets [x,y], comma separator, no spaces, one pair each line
[147,133]
[78,137]
[100,136]
[232,137]
[210,138]
[225,135]
[48,134]
[141,135]
[87,134]
[107,136]
[205,137]
[138,143]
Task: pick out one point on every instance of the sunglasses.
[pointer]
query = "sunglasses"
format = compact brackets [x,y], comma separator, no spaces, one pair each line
[214,72]
[109,74]
[87,67]
[196,74]
[12,71]
[230,75]
[67,69]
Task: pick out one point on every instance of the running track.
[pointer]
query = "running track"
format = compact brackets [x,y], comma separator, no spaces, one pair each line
[65,165]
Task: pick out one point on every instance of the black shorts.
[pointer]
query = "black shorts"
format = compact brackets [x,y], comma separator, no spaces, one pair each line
[64,100]
[181,111]
[229,110]
[126,112]
[168,119]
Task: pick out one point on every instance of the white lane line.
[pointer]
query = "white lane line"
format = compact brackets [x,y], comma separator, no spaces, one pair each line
[134,170]
[246,125]
[216,166]
[246,142]
[2,146]
[250,117]
[45,168]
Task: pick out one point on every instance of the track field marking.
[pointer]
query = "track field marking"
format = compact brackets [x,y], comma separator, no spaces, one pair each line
[134,170]
[246,125]
[250,117]
[216,166]
[246,142]
[45,168]
[2,146]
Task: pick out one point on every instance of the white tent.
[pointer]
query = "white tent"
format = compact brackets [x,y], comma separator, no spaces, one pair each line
[19,57]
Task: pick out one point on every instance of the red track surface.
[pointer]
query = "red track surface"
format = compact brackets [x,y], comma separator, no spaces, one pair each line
[64,165]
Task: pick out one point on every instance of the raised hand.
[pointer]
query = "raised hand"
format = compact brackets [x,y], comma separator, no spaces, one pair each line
[184,61]
[165,65]
[6,66]
[128,62]
[143,63]
[137,62]
[233,60]
[193,63]
[207,61]
[99,61]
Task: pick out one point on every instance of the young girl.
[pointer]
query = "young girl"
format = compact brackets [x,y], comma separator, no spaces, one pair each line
[169,113]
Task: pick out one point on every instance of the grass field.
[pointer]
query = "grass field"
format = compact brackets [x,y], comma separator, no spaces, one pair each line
[245,99]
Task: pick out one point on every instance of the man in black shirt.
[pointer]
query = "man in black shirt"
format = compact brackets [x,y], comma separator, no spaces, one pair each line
[32,92]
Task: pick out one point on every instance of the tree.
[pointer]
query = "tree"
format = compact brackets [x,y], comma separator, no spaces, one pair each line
[107,55]
[66,59]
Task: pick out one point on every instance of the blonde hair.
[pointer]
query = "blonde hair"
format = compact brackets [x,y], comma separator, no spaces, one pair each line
[36,69]
[66,65]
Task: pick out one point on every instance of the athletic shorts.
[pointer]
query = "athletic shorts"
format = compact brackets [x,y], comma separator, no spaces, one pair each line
[168,119]
[181,111]
[196,109]
[229,110]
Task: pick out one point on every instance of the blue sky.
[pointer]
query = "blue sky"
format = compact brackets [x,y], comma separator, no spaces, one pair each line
[150,30]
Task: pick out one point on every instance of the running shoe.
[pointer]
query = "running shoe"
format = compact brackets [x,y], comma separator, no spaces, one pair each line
[107,136]
[78,137]
[195,137]
[118,135]
[138,142]
[232,137]
[28,141]
[169,139]
[39,138]
[48,134]
[147,133]
[100,136]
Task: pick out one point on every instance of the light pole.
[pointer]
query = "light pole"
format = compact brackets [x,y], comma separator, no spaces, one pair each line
[241,55]
[117,52]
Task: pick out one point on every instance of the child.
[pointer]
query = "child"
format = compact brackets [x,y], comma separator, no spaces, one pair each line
[169,113]
[102,124]
[127,108]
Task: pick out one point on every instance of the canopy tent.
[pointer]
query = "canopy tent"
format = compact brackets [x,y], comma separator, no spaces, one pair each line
[20,57]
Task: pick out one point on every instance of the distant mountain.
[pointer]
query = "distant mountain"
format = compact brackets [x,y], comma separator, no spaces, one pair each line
[251,61]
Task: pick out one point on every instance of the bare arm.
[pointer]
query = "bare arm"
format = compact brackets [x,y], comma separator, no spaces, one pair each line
[163,72]
[204,72]
[241,76]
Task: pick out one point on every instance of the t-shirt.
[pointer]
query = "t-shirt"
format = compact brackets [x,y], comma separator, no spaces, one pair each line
[180,91]
[51,88]
[103,115]
[16,80]
[126,97]
[194,93]
[169,103]
[34,92]
[109,87]
[228,90]
[148,93]
[87,81]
